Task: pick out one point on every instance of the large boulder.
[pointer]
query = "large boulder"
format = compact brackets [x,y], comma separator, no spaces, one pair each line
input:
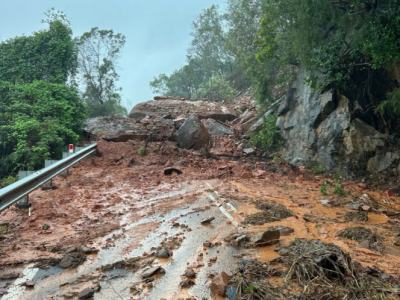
[182,108]
[217,128]
[192,134]
[120,129]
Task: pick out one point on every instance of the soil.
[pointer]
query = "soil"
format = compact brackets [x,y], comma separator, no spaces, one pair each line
[125,206]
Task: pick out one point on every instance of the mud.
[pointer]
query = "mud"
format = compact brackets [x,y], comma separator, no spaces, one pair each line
[122,204]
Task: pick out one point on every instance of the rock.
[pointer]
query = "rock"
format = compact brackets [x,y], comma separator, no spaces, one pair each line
[192,134]
[354,206]
[207,220]
[325,201]
[261,173]
[381,162]
[249,151]
[216,128]
[120,129]
[186,283]
[71,249]
[86,294]
[366,208]
[9,276]
[241,239]
[178,108]
[365,244]
[29,283]
[284,230]
[207,244]
[219,284]
[169,171]
[71,260]
[392,250]
[88,250]
[389,193]
[269,237]
[151,271]
[68,295]
[189,273]
[162,253]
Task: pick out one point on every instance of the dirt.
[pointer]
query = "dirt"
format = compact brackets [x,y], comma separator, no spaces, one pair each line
[123,205]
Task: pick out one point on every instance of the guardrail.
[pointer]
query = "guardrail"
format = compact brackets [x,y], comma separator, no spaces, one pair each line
[14,192]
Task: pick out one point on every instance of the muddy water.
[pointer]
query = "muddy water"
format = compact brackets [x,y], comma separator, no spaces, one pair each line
[133,239]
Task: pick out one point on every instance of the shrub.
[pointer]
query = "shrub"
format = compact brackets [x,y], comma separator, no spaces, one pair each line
[268,137]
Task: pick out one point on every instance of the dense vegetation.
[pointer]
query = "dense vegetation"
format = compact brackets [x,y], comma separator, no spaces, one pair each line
[349,45]
[41,106]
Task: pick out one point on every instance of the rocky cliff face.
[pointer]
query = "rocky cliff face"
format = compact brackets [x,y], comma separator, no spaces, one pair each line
[324,127]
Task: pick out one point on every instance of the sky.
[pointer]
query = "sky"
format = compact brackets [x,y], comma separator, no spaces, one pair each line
[157,32]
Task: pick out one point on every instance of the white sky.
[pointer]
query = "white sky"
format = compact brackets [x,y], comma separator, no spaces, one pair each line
[157,32]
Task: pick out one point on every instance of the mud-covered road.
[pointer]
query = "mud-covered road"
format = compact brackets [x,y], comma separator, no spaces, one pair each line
[118,227]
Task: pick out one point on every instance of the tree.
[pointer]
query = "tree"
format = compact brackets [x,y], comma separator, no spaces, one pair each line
[36,121]
[99,51]
[49,55]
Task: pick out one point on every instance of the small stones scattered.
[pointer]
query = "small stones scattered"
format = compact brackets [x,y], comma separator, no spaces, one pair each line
[207,244]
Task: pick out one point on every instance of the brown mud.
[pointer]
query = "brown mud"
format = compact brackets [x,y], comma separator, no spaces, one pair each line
[122,205]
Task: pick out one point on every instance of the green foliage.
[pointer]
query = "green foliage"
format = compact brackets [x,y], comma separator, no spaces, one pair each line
[324,188]
[49,55]
[99,51]
[36,120]
[338,188]
[268,137]
[318,168]
[7,181]
[142,151]
[217,88]
[391,105]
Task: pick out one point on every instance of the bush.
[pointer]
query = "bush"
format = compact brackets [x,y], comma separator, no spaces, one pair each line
[268,137]
[142,151]
[7,181]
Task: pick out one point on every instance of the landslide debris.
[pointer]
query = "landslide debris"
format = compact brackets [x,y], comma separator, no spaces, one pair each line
[272,211]
[312,270]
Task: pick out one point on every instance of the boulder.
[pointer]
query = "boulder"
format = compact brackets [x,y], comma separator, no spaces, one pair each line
[216,128]
[86,293]
[120,129]
[192,134]
[219,284]
[181,108]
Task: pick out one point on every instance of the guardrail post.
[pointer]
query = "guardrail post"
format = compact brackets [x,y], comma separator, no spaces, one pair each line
[24,201]
[65,172]
[48,185]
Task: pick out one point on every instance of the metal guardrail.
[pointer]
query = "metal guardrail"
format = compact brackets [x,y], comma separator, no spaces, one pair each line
[14,192]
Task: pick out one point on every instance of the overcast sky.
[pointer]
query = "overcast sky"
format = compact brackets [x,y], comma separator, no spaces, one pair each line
[157,32]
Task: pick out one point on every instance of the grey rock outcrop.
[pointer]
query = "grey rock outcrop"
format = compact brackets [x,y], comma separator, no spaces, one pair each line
[325,127]
[192,134]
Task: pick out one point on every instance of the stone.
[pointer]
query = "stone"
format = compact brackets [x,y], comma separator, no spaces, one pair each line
[151,271]
[325,201]
[71,260]
[365,244]
[189,273]
[249,151]
[86,293]
[216,127]
[182,109]
[207,220]
[88,250]
[392,250]
[120,129]
[29,283]
[366,208]
[241,239]
[192,134]
[381,162]
[354,206]
[162,253]
[71,249]
[186,283]
[170,170]
[284,230]
[269,237]
[219,284]
[207,244]
[8,276]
